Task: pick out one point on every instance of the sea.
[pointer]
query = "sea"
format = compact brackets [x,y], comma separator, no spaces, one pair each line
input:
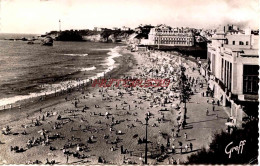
[31,70]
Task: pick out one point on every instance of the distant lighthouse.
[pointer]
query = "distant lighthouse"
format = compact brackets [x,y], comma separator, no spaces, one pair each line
[60,25]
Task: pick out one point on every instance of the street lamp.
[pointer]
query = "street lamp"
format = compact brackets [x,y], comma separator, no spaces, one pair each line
[146,148]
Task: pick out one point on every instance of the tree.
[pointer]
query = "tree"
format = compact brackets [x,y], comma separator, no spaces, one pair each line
[223,143]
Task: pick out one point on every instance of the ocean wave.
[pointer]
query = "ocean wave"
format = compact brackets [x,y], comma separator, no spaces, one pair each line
[101,49]
[53,88]
[76,54]
[113,54]
[88,68]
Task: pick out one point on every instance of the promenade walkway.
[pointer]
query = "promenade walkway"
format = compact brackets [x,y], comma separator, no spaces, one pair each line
[200,128]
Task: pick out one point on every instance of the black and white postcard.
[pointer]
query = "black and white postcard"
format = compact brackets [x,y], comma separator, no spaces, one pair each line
[129,82]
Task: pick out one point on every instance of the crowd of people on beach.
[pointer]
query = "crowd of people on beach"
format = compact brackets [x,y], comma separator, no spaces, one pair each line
[114,116]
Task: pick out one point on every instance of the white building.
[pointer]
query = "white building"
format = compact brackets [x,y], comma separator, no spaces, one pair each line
[97,29]
[165,35]
[124,28]
[233,66]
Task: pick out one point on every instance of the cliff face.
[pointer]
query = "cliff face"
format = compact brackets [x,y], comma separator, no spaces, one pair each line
[106,35]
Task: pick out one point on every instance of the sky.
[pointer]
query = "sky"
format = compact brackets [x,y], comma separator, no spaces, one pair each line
[40,16]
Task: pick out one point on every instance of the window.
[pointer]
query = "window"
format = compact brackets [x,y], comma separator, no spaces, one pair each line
[246,42]
[241,43]
[250,79]
[234,42]
[222,68]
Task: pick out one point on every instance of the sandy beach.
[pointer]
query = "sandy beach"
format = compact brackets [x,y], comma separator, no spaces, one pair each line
[107,124]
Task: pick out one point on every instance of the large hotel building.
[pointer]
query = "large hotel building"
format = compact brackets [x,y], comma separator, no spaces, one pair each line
[233,69]
[165,35]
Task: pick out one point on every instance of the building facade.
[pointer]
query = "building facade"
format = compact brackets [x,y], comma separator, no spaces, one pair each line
[233,68]
[165,35]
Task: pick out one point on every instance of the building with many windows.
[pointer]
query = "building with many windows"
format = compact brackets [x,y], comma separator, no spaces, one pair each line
[233,68]
[168,36]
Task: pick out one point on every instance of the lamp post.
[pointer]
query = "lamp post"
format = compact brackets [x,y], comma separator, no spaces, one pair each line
[146,148]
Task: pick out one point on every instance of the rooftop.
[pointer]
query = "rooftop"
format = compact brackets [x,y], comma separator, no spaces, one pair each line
[244,51]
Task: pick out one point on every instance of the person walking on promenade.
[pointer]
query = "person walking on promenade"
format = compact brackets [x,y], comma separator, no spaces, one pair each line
[207,100]
[213,107]
[201,85]
[186,148]
[176,134]
[122,149]
[207,112]
[168,142]
[180,144]
[67,159]
[191,146]
[185,136]
[218,102]
[173,148]
[162,149]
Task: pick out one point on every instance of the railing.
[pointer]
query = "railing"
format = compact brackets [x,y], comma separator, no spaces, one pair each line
[221,84]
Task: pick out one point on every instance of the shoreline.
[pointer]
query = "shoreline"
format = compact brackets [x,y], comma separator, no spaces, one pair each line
[129,112]
[16,101]
[117,69]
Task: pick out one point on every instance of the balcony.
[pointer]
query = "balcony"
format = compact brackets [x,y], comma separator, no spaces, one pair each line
[251,97]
